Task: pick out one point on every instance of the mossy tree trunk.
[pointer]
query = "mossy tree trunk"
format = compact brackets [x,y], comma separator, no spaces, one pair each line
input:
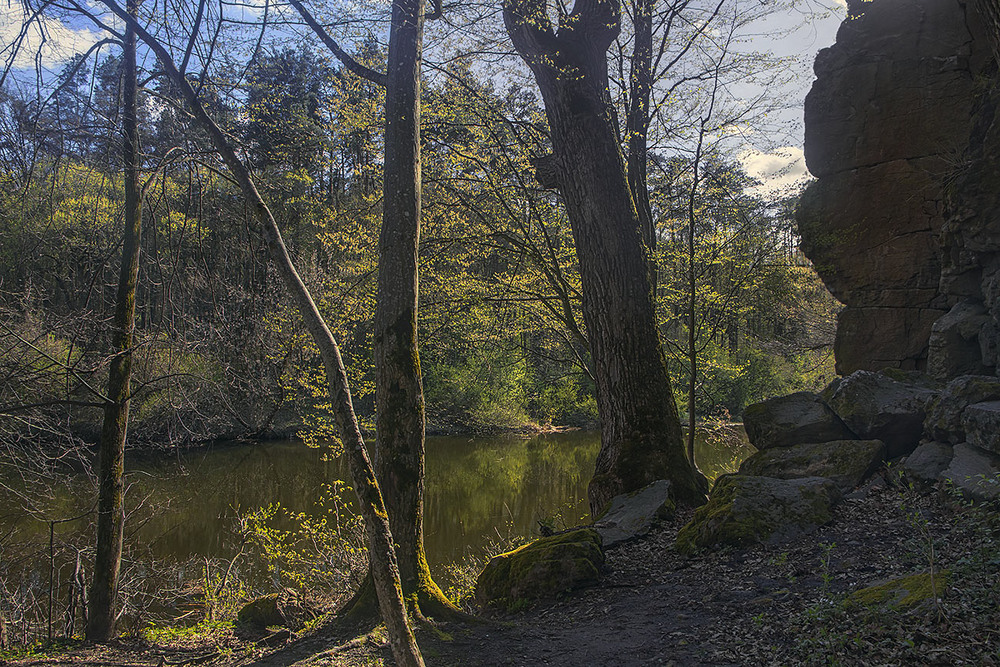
[103,599]
[384,568]
[398,387]
[640,428]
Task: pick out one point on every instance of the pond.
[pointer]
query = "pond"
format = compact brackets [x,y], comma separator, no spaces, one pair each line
[478,490]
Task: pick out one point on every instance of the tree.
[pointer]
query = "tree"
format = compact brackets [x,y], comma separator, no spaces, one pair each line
[385,572]
[111,494]
[285,95]
[399,393]
[640,429]
[399,396]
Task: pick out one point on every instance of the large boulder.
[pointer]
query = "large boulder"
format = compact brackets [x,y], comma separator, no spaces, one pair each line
[793,420]
[633,514]
[953,348]
[744,510]
[975,472]
[927,462]
[981,422]
[944,421]
[846,463]
[878,407]
[262,612]
[544,568]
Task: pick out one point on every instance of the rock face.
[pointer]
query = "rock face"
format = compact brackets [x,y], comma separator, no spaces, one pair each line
[876,406]
[743,510]
[954,347]
[793,420]
[632,514]
[970,237]
[846,463]
[891,107]
[542,569]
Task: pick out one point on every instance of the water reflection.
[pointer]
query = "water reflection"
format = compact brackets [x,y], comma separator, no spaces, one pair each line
[477,488]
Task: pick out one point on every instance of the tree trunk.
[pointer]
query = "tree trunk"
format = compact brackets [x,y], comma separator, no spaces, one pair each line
[111,475]
[640,428]
[385,572]
[399,397]
[637,121]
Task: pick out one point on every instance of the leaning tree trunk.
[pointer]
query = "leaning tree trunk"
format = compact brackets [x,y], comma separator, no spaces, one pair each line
[111,476]
[640,429]
[399,396]
[385,572]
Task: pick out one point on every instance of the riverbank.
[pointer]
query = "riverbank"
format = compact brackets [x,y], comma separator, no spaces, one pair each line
[781,604]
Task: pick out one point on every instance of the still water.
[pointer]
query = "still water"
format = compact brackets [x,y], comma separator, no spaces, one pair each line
[477,490]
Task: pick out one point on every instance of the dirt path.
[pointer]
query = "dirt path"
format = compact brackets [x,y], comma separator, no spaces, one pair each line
[779,604]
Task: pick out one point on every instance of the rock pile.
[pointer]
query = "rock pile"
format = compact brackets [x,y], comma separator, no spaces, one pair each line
[814,449]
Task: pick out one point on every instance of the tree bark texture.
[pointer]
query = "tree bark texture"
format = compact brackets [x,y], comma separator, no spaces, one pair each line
[111,471]
[640,428]
[385,572]
[399,397]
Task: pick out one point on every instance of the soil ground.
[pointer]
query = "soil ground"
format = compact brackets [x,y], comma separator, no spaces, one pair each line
[765,605]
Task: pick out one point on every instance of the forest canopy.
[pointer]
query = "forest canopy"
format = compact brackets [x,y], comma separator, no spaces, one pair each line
[503,343]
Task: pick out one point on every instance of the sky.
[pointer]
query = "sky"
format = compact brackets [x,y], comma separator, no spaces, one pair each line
[57,41]
[51,43]
[780,168]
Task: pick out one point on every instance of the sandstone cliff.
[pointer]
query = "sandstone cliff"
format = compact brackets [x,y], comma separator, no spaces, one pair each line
[888,121]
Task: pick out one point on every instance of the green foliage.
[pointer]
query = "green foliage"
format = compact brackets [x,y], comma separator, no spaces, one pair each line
[763,320]
[503,344]
[321,554]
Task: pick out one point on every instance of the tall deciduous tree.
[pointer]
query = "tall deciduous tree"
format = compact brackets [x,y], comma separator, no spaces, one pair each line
[111,477]
[640,428]
[399,394]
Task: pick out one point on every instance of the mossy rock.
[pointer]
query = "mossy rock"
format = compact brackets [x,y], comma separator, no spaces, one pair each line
[745,510]
[262,612]
[845,462]
[903,593]
[542,569]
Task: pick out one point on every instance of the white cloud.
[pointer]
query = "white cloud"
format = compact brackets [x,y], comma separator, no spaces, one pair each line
[778,171]
[48,37]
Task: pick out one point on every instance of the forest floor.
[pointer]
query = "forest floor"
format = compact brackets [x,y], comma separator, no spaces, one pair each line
[766,605]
